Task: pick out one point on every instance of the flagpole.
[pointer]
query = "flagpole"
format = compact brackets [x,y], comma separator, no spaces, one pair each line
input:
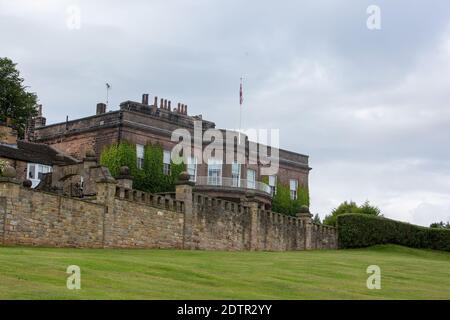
[241,95]
[108,86]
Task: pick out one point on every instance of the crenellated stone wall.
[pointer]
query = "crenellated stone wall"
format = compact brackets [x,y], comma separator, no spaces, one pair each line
[119,217]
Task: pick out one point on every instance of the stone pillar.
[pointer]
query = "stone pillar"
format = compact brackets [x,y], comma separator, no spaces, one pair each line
[251,202]
[125,179]
[183,192]
[9,193]
[106,191]
[306,217]
[89,161]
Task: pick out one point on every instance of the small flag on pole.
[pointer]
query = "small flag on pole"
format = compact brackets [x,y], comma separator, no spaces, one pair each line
[241,96]
[108,86]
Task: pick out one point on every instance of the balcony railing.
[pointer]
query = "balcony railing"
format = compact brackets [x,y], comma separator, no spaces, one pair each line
[232,183]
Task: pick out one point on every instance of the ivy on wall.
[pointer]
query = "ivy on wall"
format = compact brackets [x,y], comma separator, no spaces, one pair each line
[151,177]
[282,202]
[117,155]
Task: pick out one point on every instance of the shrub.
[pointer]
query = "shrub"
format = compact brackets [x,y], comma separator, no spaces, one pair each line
[363,230]
[440,225]
[350,207]
[316,219]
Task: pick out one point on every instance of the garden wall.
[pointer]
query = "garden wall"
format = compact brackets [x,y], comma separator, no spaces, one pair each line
[124,218]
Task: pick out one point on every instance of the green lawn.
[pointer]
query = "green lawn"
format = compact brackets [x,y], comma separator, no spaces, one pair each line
[40,273]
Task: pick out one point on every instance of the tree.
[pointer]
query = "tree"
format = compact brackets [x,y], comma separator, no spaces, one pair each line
[440,225]
[316,219]
[350,207]
[15,102]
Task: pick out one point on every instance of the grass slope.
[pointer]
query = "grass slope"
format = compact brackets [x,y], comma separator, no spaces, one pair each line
[39,273]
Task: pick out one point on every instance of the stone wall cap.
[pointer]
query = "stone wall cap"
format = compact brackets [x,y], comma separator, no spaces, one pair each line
[106,180]
[304,215]
[10,180]
[185,183]
[184,179]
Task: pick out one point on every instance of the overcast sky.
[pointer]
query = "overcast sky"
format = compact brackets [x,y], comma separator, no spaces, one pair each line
[370,107]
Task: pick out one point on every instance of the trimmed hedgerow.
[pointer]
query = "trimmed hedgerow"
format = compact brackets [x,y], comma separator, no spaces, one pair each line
[362,230]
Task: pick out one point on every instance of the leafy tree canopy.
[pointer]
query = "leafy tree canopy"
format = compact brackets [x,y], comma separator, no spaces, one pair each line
[440,225]
[15,102]
[350,207]
[316,219]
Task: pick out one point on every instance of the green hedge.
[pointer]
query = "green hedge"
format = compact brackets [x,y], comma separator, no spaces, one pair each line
[362,230]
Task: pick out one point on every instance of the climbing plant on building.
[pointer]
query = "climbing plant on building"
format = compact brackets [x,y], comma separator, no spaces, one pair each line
[282,202]
[150,177]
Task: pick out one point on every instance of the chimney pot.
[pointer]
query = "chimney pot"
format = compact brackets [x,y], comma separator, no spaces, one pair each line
[165,103]
[161,103]
[169,107]
[145,98]
[101,108]
[156,101]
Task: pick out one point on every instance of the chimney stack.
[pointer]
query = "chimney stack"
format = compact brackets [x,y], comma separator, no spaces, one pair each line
[168,107]
[161,103]
[155,105]
[182,108]
[165,103]
[39,121]
[101,108]
[145,99]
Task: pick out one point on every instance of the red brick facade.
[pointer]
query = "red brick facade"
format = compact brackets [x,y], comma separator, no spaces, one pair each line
[140,123]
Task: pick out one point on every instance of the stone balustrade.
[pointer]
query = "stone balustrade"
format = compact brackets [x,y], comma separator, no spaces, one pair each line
[156,200]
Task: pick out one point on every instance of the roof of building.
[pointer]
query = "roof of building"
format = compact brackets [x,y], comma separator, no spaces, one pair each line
[34,153]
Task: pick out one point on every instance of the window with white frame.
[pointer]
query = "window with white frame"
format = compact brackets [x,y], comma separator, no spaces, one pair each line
[293,186]
[236,174]
[214,172]
[140,156]
[35,173]
[251,179]
[166,163]
[273,185]
[192,168]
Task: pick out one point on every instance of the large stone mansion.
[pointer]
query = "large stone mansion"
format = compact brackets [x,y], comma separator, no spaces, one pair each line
[214,207]
[141,123]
